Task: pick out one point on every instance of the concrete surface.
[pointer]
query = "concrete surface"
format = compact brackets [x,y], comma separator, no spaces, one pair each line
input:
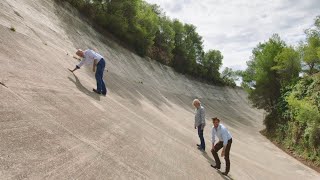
[53,127]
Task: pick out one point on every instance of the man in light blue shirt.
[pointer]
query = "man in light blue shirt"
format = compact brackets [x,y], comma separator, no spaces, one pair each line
[225,141]
[91,57]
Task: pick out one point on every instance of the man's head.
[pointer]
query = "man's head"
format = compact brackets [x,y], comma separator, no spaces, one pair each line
[215,122]
[196,103]
[80,53]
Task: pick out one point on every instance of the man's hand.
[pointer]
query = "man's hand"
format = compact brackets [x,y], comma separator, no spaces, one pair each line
[195,127]
[212,149]
[94,65]
[222,153]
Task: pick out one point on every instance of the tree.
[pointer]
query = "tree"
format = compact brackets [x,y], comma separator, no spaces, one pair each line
[194,48]
[310,53]
[143,28]
[311,50]
[179,51]
[288,66]
[229,76]
[261,79]
[212,63]
[164,41]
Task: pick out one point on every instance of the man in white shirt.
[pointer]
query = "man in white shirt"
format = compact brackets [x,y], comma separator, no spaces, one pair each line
[225,141]
[200,122]
[91,57]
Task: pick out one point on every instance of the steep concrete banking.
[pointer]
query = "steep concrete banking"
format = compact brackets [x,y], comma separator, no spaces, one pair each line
[52,126]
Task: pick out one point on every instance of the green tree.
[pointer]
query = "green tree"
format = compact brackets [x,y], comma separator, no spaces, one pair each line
[212,63]
[179,51]
[229,76]
[143,28]
[194,48]
[261,78]
[288,66]
[310,53]
[164,41]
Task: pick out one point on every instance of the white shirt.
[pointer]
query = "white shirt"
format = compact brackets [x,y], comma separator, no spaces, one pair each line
[89,57]
[222,133]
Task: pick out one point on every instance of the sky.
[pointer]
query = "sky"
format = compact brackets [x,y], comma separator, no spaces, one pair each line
[235,27]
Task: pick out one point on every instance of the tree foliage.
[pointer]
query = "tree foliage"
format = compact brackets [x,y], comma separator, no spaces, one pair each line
[261,77]
[285,81]
[230,77]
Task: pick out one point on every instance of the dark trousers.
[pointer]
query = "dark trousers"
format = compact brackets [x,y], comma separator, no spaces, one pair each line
[101,87]
[217,147]
[200,133]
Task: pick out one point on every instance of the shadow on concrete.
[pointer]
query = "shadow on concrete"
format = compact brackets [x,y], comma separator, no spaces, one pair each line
[83,89]
[212,162]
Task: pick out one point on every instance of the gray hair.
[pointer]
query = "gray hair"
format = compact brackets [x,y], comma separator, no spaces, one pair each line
[196,101]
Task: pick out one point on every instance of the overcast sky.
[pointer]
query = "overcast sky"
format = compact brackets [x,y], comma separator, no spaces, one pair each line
[235,27]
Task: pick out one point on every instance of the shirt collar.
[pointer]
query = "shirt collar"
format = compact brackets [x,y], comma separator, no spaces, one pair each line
[219,127]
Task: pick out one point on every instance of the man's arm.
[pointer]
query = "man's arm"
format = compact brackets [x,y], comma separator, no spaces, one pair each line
[224,134]
[74,69]
[94,65]
[213,138]
[78,66]
[202,117]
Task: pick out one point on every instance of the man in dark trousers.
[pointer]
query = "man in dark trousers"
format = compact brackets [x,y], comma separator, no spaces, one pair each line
[225,141]
[97,61]
[200,122]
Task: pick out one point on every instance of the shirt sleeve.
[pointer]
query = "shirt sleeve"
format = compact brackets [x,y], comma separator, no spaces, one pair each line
[224,134]
[213,133]
[81,63]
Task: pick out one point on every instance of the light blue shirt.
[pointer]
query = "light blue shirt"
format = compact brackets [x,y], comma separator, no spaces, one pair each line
[89,57]
[222,133]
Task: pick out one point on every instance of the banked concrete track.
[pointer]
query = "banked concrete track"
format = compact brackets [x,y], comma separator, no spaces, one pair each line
[53,127]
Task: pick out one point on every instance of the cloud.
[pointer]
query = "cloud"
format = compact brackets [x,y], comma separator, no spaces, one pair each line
[235,27]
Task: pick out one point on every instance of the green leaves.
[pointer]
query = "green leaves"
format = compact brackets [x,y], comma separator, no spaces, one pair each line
[230,77]
[212,63]
[262,76]
[288,66]
[304,107]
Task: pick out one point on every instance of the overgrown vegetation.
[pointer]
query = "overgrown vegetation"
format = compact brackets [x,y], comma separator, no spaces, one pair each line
[285,81]
[151,33]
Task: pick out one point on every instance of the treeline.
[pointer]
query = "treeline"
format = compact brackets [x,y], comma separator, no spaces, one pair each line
[147,29]
[285,81]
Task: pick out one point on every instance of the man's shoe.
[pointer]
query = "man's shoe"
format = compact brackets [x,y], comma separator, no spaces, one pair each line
[200,148]
[198,145]
[94,90]
[225,173]
[216,166]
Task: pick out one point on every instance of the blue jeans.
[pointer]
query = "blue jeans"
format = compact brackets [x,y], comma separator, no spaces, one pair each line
[101,87]
[200,133]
